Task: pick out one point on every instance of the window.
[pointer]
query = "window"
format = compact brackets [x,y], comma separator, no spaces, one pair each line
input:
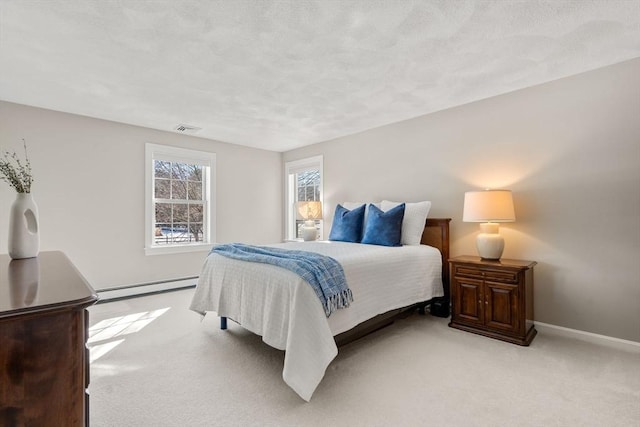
[303,182]
[179,200]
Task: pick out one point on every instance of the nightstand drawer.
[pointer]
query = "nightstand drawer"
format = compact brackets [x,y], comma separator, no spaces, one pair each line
[500,276]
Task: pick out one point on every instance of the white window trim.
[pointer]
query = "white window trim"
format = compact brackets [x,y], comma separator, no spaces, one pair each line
[292,167]
[187,155]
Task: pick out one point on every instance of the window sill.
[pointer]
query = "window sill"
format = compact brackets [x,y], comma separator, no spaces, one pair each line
[176,249]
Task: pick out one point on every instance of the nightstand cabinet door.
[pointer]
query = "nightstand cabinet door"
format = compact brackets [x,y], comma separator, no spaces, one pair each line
[501,301]
[493,298]
[469,301]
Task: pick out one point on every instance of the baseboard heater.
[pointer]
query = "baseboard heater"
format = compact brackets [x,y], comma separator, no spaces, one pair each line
[142,289]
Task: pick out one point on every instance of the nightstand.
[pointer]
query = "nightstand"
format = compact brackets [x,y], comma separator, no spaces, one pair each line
[493,298]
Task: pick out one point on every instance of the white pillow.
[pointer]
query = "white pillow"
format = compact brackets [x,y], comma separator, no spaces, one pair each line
[415,216]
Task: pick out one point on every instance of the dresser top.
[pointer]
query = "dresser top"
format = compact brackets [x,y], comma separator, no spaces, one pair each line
[48,282]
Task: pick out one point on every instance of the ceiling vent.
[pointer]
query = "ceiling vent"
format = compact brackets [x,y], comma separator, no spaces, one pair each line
[187,129]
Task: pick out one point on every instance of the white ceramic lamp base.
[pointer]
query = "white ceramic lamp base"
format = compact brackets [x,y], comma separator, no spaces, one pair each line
[489,242]
[309,231]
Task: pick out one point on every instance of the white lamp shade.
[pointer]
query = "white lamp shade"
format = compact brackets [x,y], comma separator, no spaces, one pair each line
[488,206]
[309,210]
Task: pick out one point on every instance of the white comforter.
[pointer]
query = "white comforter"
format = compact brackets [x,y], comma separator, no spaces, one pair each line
[278,305]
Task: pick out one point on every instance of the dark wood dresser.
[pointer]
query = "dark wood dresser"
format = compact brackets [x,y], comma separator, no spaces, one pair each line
[493,298]
[44,361]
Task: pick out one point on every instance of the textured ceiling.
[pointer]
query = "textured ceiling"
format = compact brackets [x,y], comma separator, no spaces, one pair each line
[279,74]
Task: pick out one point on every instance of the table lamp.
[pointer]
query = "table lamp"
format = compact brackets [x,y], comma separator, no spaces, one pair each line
[309,211]
[489,207]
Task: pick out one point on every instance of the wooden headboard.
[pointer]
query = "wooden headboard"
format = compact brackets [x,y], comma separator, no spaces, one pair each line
[436,234]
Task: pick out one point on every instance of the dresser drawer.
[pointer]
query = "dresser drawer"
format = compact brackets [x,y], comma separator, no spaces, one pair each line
[486,274]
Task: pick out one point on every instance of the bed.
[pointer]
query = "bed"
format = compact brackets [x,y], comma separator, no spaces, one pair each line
[283,309]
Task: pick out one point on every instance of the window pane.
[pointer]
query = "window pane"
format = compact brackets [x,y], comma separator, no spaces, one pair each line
[309,178]
[180,213]
[162,169]
[308,185]
[309,195]
[163,213]
[162,234]
[179,171]
[195,213]
[195,173]
[163,188]
[196,231]
[195,190]
[179,190]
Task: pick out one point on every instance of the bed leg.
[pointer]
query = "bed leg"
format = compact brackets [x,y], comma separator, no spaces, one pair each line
[223,323]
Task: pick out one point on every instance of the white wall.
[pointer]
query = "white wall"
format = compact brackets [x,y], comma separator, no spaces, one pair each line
[89,187]
[569,150]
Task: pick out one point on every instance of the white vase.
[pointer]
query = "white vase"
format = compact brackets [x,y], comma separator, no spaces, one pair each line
[24,237]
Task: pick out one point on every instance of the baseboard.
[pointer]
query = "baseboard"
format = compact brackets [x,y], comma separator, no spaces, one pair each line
[618,343]
[143,289]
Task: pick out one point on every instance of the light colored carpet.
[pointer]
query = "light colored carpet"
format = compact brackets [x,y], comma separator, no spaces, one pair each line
[180,371]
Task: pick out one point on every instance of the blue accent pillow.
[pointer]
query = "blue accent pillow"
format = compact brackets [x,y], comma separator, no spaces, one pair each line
[347,224]
[384,228]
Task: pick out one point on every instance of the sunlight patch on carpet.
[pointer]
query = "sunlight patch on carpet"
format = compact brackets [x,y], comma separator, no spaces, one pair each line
[102,335]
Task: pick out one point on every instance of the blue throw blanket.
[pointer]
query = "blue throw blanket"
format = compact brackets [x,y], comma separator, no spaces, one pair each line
[323,273]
